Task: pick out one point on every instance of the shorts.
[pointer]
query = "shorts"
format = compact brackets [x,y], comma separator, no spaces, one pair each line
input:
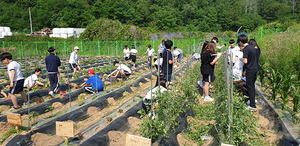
[17,88]
[72,66]
[209,78]
[133,58]
[126,58]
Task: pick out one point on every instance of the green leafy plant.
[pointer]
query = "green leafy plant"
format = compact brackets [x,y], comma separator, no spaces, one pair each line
[275,79]
[287,85]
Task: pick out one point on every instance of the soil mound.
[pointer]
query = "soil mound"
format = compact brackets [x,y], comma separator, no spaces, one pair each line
[57,104]
[3,108]
[117,138]
[41,139]
[92,110]
[4,128]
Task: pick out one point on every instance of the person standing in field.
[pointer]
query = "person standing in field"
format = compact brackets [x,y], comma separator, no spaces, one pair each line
[16,79]
[74,61]
[133,55]
[250,61]
[151,53]
[126,53]
[208,62]
[167,64]
[161,48]
[253,43]
[52,64]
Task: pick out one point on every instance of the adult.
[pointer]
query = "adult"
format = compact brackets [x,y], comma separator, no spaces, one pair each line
[253,43]
[16,79]
[250,61]
[52,63]
[167,64]
[208,61]
[74,61]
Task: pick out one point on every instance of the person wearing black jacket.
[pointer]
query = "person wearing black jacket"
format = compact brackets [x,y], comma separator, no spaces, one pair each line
[52,64]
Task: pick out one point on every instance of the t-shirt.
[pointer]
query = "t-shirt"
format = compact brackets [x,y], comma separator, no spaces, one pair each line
[236,48]
[74,58]
[126,52]
[161,48]
[125,68]
[257,58]
[206,59]
[154,92]
[179,50]
[133,51]
[150,52]
[237,69]
[166,67]
[176,53]
[96,82]
[196,56]
[15,66]
[158,61]
[250,54]
[31,80]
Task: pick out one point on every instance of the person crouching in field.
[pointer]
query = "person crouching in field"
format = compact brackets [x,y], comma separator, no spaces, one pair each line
[150,98]
[16,79]
[208,61]
[122,71]
[93,84]
[52,64]
[33,80]
[74,61]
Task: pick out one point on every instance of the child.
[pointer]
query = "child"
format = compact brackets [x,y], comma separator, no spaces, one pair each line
[151,53]
[4,95]
[167,64]
[161,48]
[208,62]
[148,100]
[16,79]
[52,64]
[133,54]
[33,80]
[74,61]
[232,48]
[175,54]
[126,52]
[122,71]
[93,84]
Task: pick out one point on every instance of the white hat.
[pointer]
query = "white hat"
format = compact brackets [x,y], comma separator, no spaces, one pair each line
[76,48]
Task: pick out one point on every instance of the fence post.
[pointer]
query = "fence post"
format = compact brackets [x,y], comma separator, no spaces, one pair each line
[135,44]
[153,43]
[194,43]
[3,44]
[22,50]
[82,48]
[116,48]
[36,47]
[99,48]
[261,32]
[65,47]
[48,44]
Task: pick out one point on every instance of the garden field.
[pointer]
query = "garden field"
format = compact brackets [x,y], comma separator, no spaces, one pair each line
[182,117]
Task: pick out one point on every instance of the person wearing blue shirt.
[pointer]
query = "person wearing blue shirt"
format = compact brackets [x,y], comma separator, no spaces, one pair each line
[94,83]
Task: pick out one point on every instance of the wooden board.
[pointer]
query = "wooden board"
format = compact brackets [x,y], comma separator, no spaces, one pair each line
[14,119]
[132,140]
[65,129]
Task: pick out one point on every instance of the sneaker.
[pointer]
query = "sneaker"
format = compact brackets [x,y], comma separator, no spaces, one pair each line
[248,102]
[207,98]
[17,107]
[51,94]
[200,83]
[251,108]
[203,96]
[26,103]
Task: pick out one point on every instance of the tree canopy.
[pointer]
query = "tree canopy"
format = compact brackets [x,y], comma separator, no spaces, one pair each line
[157,15]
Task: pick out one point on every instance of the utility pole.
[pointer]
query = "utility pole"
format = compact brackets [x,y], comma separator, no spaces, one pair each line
[30,21]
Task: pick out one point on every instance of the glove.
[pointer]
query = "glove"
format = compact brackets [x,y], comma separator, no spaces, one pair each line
[219,55]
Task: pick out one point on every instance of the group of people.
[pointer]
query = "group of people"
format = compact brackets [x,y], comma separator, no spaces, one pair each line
[245,66]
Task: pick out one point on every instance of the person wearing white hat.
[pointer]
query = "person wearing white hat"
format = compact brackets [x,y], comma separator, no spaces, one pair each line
[74,61]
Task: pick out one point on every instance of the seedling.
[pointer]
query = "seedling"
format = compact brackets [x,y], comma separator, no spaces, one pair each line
[120,111]
[109,119]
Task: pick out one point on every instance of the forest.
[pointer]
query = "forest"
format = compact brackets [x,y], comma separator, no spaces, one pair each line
[153,15]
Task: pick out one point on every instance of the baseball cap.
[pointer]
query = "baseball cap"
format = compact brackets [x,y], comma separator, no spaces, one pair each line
[76,48]
[51,49]
[91,71]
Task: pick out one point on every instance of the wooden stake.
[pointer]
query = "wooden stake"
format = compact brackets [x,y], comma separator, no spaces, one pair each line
[66,141]
[17,129]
